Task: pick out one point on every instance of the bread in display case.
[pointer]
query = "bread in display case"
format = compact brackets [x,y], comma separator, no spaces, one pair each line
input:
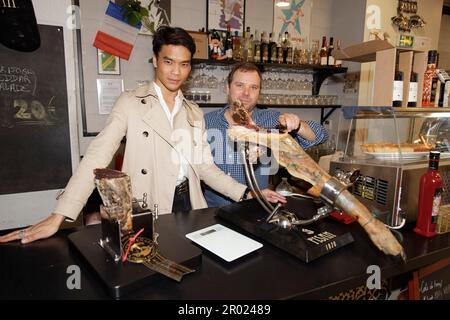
[388,147]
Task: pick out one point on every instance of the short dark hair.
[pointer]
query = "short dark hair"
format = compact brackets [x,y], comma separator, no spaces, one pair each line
[166,35]
[243,67]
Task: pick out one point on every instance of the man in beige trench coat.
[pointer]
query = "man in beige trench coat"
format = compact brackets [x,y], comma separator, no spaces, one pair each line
[167,154]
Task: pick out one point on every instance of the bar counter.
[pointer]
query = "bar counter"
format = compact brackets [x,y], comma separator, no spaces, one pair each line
[39,270]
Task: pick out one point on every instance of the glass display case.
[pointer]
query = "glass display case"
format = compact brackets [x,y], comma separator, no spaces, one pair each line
[386,150]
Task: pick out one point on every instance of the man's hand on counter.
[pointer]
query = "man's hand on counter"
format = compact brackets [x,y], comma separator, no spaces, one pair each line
[44,229]
[271,196]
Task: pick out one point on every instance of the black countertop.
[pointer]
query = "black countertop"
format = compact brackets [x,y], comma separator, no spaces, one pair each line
[39,270]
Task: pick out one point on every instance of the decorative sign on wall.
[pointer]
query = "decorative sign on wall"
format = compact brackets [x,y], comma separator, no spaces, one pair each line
[295,19]
[158,15]
[107,63]
[407,17]
[222,13]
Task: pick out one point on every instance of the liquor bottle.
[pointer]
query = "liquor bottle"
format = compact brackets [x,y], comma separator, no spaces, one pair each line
[244,44]
[264,48]
[338,63]
[237,47]
[228,44]
[289,50]
[250,49]
[323,54]
[434,95]
[272,49]
[285,45]
[330,58]
[428,78]
[256,44]
[430,194]
[279,49]
[397,92]
[413,87]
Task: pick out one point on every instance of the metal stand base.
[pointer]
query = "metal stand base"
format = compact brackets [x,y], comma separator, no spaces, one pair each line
[304,242]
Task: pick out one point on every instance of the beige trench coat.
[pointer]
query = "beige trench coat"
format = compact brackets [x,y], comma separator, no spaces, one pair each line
[150,159]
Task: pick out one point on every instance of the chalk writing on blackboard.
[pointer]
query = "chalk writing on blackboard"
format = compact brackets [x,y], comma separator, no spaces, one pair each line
[34,118]
[19,81]
[432,282]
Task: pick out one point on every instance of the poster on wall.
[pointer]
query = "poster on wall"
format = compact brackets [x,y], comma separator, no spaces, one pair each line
[222,13]
[295,19]
[158,14]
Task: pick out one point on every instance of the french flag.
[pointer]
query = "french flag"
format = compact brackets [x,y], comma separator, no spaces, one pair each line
[115,35]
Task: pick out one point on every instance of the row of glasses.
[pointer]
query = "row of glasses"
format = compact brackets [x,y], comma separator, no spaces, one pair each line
[282,99]
[198,96]
[295,82]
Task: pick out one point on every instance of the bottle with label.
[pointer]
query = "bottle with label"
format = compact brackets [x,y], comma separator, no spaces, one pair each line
[250,49]
[330,57]
[284,188]
[285,45]
[237,48]
[397,92]
[256,47]
[244,44]
[272,49]
[413,87]
[280,48]
[228,44]
[323,54]
[264,48]
[435,85]
[289,50]
[430,194]
[428,78]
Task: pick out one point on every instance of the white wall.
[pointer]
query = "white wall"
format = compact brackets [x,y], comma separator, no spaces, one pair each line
[17,210]
[136,68]
[444,43]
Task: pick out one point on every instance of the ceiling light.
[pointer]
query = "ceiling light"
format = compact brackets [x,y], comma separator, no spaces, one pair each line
[282,3]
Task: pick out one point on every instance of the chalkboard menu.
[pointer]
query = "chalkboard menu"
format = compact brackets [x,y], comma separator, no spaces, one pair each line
[34,124]
[431,282]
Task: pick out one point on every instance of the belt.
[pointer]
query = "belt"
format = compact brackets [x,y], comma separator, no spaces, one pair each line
[182,187]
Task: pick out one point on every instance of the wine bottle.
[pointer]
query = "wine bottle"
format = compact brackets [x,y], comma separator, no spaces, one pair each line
[323,54]
[330,58]
[430,194]
[256,47]
[237,48]
[228,44]
[413,87]
[272,49]
[397,92]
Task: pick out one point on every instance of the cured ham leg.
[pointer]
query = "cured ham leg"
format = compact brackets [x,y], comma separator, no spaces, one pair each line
[289,154]
[115,190]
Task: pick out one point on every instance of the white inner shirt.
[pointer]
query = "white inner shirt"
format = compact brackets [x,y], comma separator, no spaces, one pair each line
[183,173]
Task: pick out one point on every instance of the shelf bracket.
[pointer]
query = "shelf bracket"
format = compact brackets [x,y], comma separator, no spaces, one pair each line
[323,116]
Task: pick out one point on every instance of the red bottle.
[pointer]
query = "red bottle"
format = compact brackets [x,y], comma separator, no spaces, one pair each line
[430,193]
